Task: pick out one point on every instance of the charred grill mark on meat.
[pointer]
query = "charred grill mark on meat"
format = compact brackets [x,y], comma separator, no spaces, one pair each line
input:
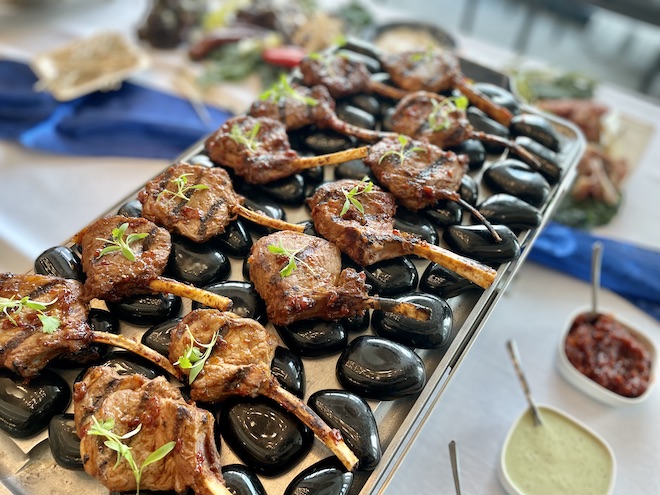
[239,364]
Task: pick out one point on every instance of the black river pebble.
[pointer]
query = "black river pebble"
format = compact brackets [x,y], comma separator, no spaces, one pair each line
[428,334]
[548,159]
[266,437]
[314,338]
[59,261]
[476,241]
[372,63]
[445,213]
[482,122]
[159,336]
[313,176]
[413,223]
[377,368]
[516,178]
[289,370]
[368,103]
[246,302]
[469,189]
[357,323]
[264,206]
[352,415]
[126,363]
[356,116]
[197,263]
[132,208]
[392,277]
[146,310]
[474,150]
[241,481]
[26,408]
[235,240]
[360,45]
[353,169]
[327,141]
[510,211]
[326,477]
[536,127]
[289,191]
[202,161]
[64,442]
[442,282]
[499,96]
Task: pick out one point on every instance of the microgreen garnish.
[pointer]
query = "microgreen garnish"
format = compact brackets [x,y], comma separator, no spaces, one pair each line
[283,89]
[49,323]
[114,442]
[352,200]
[118,243]
[439,117]
[326,59]
[403,152]
[248,140]
[193,359]
[425,55]
[182,187]
[291,265]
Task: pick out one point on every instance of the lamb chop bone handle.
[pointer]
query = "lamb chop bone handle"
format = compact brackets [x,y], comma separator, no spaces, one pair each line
[499,113]
[214,487]
[306,162]
[330,437]
[402,308]
[267,221]
[167,285]
[386,90]
[368,135]
[531,160]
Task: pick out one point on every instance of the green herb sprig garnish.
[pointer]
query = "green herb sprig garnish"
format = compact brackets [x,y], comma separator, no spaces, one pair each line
[439,117]
[49,323]
[248,140]
[192,358]
[403,152]
[182,187]
[423,56]
[356,191]
[118,243]
[283,89]
[326,59]
[113,441]
[292,254]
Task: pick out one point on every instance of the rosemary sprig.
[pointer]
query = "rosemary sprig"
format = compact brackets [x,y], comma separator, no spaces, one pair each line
[49,323]
[192,358]
[403,152]
[352,200]
[113,441]
[282,89]
[439,117]
[182,187]
[118,243]
[291,265]
[250,140]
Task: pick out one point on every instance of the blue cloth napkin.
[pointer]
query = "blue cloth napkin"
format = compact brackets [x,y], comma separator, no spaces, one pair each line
[632,272]
[132,121]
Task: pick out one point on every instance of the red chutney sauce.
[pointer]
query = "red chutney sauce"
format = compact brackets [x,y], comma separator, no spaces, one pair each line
[608,353]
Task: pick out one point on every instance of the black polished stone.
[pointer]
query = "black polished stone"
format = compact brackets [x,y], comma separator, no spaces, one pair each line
[146,310]
[197,263]
[326,477]
[442,282]
[263,435]
[126,363]
[202,161]
[314,338]
[429,334]
[475,241]
[246,301]
[392,277]
[59,261]
[510,211]
[536,127]
[361,45]
[469,189]
[499,96]
[445,213]
[474,150]
[313,176]
[372,63]
[549,160]
[235,240]
[356,116]
[353,169]
[264,206]
[241,481]
[289,191]
[368,103]
[482,122]
[64,442]
[357,323]
[407,221]
[27,408]
[289,370]
[132,208]
[351,414]
[377,368]
[159,336]
[516,178]
[328,141]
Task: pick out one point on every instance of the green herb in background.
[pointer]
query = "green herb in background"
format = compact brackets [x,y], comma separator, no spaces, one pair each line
[235,62]
[356,17]
[586,214]
[535,85]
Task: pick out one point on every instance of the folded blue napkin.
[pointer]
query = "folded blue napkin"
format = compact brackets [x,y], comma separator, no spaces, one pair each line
[632,272]
[131,121]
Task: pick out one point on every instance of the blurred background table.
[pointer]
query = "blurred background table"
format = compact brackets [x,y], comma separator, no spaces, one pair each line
[46,198]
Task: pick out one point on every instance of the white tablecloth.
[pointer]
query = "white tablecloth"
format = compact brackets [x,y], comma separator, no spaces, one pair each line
[47,198]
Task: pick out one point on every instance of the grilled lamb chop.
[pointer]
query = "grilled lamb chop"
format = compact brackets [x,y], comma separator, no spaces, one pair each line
[299,106]
[317,287]
[438,70]
[198,203]
[164,416]
[258,149]
[370,236]
[113,275]
[27,343]
[239,364]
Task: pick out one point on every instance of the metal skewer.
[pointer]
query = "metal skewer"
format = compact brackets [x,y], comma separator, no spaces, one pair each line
[453,456]
[513,354]
[596,263]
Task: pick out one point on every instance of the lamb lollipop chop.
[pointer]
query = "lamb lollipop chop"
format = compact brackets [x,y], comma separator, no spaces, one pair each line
[258,149]
[235,356]
[124,256]
[198,203]
[42,317]
[299,106]
[300,277]
[369,236]
[136,433]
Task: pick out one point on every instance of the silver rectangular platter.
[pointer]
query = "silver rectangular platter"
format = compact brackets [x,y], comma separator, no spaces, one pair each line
[27,466]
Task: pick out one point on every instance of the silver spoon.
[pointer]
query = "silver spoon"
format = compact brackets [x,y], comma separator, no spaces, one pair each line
[453,456]
[596,263]
[513,354]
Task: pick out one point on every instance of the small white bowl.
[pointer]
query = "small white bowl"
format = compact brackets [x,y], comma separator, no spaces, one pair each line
[503,473]
[590,387]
